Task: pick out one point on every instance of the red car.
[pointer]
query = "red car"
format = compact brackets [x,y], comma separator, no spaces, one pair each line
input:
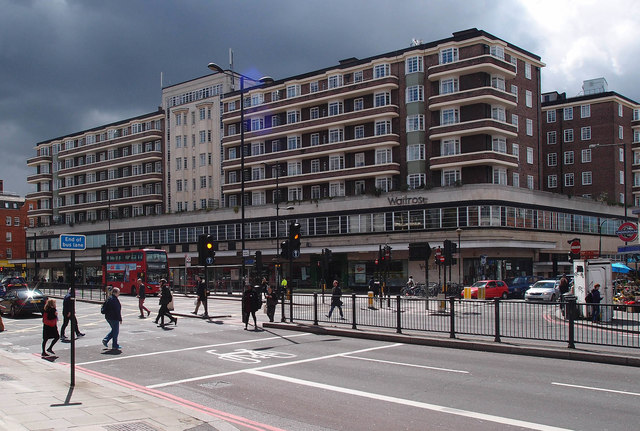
[492,289]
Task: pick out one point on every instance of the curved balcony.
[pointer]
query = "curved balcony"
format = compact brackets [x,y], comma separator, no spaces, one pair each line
[151,198]
[132,159]
[39,195]
[39,212]
[485,63]
[113,143]
[34,161]
[479,158]
[364,144]
[488,95]
[39,177]
[487,126]
[115,182]
[356,173]
[312,99]
[318,124]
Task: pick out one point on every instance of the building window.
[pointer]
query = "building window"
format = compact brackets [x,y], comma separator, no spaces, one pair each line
[415,181]
[551,138]
[530,182]
[415,123]
[619,110]
[516,179]
[314,113]
[294,193]
[335,81]
[336,135]
[514,91]
[568,135]
[179,185]
[500,176]
[293,142]
[379,99]
[203,182]
[294,168]
[527,70]
[621,154]
[315,139]
[383,184]
[450,147]
[585,111]
[568,113]
[552,159]
[358,160]
[256,124]
[293,91]
[358,187]
[620,132]
[499,144]
[621,177]
[568,158]
[415,152]
[293,117]
[529,130]
[514,120]
[450,176]
[358,104]
[315,192]
[381,70]
[448,55]
[335,108]
[552,181]
[515,150]
[586,155]
[585,133]
[449,116]
[358,76]
[530,156]
[358,132]
[8,236]
[313,87]
[336,189]
[586,178]
[498,82]
[568,180]
[257,148]
[383,127]
[414,64]
[315,166]
[497,51]
[528,97]
[414,93]
[551,116]
[448,86]
[383,156]
[258,198]
[8,220]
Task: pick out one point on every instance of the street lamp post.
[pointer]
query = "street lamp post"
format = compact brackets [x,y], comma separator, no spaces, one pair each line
[600,237]
[215,68]
[459,232]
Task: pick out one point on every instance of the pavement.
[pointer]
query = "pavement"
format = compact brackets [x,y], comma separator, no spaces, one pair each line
[37,394]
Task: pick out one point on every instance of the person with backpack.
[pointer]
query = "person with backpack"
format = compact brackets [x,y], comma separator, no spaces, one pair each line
[112,310]
[251,302]
[49,327]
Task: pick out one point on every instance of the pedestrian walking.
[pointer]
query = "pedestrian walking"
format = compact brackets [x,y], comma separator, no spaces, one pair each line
[201,291]
[251,302]
[67,317]
[49,327]
[272,302]
[165,300]
[595,300]
[336,301]
[141,294]
[112,310]
[264,285]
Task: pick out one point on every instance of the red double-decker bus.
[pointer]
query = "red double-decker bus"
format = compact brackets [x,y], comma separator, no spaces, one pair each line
[125,267]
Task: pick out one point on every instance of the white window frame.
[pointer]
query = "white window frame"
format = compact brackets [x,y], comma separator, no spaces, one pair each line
[415,152]
[448,55]
[585,133]
[530,155]
[450,146]
[552,159]
[552,181]
[551,116]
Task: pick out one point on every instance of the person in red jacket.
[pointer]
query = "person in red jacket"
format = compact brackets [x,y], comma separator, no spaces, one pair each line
[50,326]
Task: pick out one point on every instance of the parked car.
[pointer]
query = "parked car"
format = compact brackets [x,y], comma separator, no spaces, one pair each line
[492,289]
[23,300]
[543,290]
[9,283]
[519,285]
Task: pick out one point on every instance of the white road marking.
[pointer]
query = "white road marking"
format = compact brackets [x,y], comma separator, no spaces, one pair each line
[404,364]
[635,394]
[208,346]
[284,364]
[412,403]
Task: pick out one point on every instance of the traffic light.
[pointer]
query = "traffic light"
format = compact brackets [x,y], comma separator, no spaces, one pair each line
[103,255]
[570,257]
[206,250]
[448,249]
[284,249]
[387,253]
[258,261]
[294,239]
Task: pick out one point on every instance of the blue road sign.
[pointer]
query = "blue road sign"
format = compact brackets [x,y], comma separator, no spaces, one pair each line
[73,242]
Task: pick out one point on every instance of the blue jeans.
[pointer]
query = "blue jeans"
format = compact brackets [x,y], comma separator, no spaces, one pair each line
[113,334]
[334,306]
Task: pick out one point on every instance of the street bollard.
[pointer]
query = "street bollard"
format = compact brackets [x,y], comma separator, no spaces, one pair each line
[370,296]
[353,311]
[496,303]
[315,308]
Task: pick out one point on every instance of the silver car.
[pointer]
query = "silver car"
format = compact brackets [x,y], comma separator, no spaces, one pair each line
[543,290]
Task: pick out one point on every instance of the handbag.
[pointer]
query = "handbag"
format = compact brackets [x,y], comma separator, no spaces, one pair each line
[170,305]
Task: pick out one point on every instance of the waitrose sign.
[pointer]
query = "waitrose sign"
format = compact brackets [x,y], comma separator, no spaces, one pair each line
[407,200]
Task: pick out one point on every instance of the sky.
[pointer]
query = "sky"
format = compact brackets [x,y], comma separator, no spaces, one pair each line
[71,65]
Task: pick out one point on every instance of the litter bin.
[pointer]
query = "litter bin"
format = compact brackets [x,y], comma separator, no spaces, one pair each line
[570,307]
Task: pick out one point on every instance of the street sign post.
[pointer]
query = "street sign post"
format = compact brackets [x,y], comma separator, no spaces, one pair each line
[627,232]
[73,242]
[575,247]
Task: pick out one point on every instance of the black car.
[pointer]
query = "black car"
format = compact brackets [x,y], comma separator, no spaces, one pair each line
[23,300]
[519,285]
[9,283]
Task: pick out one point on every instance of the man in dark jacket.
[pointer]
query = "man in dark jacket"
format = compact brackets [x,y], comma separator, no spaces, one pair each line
[595,301]
[201,291]
[251,302]
[66,314]
[336,294]
[112,313]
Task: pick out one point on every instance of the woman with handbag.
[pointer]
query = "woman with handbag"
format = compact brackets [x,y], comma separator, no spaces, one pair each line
[166,304]
[272,302]
[49,327]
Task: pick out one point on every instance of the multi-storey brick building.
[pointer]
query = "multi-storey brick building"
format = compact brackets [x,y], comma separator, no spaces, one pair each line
[193,176]
[116,167]
[590,144]
[13,216]
[455,111]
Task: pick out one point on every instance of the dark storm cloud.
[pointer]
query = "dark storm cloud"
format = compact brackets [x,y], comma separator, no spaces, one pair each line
[66,66]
